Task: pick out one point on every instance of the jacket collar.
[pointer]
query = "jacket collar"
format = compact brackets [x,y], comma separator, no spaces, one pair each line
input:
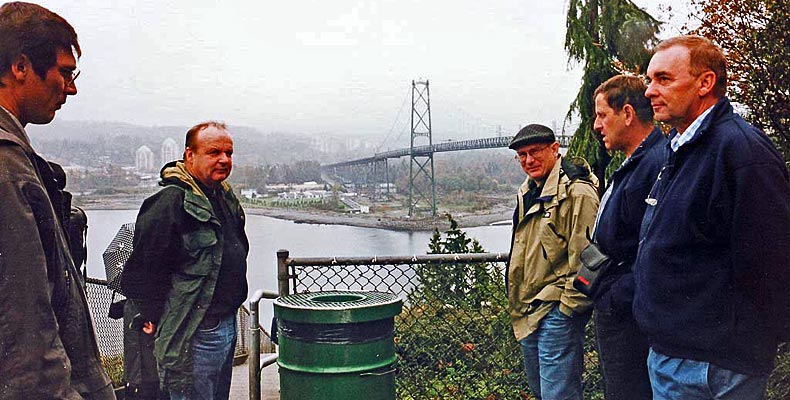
[654,137]
[550,193]
[10,124]
[555,188]
[196,203]
[720,109]
[549,185]
[651,139]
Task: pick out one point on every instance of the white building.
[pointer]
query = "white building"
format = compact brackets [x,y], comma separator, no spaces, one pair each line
[170,151]
[144,159]
[250,193]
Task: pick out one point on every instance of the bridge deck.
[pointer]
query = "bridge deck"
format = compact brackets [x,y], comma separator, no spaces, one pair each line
[426,150]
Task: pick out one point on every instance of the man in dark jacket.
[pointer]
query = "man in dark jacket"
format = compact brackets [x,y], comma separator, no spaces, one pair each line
[713,256]
[624,118]
[48,347]
[187,271]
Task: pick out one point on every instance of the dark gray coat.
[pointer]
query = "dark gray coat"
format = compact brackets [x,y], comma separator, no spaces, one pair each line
[48,347]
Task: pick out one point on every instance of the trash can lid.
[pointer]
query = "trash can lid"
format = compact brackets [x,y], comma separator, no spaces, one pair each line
[337,307]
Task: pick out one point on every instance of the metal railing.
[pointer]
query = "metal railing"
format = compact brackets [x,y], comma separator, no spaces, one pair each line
[255,363]
[455,346]
[109,332]
[454,338]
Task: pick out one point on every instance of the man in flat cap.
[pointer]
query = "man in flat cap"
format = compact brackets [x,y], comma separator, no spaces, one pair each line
[557,205]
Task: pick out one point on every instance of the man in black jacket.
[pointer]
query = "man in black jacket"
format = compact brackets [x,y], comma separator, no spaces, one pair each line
[713,253]
[624,118]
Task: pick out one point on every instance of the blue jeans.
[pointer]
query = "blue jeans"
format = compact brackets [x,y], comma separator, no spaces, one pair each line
[212,355]
[554,356]
[680,378]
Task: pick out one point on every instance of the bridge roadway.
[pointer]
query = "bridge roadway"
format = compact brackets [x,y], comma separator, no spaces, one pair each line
[426,150]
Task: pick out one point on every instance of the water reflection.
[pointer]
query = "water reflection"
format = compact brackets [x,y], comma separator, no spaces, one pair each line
[267,235]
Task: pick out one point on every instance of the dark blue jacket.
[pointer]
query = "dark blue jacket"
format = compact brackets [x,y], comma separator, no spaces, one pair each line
[617,231]
[714,252]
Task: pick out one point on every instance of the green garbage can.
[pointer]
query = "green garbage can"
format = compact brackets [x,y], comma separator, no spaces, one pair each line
[337,345]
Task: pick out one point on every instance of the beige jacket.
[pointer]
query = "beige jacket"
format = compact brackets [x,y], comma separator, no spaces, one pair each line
[546,244]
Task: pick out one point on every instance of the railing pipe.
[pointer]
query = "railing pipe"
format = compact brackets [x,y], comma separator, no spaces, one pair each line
[282,272]
[386,260]
[254,361]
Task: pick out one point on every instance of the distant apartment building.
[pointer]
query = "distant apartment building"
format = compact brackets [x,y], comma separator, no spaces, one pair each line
[144,159]
[170,151]
[339,144]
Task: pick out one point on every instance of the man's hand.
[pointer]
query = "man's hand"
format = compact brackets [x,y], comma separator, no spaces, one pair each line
[149,328]
[138,323]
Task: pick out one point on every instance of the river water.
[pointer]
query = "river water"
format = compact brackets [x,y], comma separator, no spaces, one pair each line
[267,235]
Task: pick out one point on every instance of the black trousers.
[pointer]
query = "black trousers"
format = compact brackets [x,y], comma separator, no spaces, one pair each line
[139,364]
[622,351]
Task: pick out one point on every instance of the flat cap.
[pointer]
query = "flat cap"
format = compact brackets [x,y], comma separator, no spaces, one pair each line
[532,133]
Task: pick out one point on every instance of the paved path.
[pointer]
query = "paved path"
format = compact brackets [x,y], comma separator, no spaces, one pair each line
[270,383]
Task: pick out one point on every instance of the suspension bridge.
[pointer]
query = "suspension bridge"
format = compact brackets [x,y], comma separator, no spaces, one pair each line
[374,170]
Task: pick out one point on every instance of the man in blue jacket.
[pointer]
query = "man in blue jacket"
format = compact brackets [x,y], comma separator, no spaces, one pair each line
[624,118]
[713,253]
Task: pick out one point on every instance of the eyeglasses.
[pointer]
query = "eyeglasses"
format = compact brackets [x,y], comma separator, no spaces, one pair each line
[522,155]
[69,76]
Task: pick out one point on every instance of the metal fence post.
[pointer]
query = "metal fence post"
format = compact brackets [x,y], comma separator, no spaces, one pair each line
[282,272]
[255,364]
[254,360]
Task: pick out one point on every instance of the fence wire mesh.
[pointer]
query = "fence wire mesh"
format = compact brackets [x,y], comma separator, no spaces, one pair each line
[109,332]
[454,338]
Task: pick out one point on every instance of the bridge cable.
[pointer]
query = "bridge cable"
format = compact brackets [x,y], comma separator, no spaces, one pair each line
[397,117]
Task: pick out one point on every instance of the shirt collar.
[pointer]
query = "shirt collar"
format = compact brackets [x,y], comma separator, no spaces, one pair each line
[685,137]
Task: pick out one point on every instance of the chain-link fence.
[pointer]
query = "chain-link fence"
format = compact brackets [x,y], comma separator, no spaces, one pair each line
[454,338]
[109,332]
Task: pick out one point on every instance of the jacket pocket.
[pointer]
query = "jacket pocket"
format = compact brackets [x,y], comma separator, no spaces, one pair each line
[553,245]
[199,245]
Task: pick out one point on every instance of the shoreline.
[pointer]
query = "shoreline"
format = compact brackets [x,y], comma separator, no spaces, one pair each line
[373,220]
[382,221]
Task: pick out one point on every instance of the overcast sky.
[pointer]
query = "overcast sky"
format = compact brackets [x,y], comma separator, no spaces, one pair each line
[323,67]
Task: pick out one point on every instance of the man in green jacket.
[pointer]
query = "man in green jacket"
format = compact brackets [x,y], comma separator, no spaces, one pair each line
[48,347]
[187,271]
[556,209]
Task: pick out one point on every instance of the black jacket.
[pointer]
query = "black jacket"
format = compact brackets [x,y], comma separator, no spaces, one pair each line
[714,251]
[617,231]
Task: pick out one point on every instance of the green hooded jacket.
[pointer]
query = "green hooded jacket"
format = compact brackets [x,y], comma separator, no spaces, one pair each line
[174,266]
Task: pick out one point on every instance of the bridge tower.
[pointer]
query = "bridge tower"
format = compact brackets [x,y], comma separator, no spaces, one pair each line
[422,186]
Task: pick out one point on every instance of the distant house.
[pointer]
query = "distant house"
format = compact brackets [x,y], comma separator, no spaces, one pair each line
[307,186]
[311,195]
[250,193]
